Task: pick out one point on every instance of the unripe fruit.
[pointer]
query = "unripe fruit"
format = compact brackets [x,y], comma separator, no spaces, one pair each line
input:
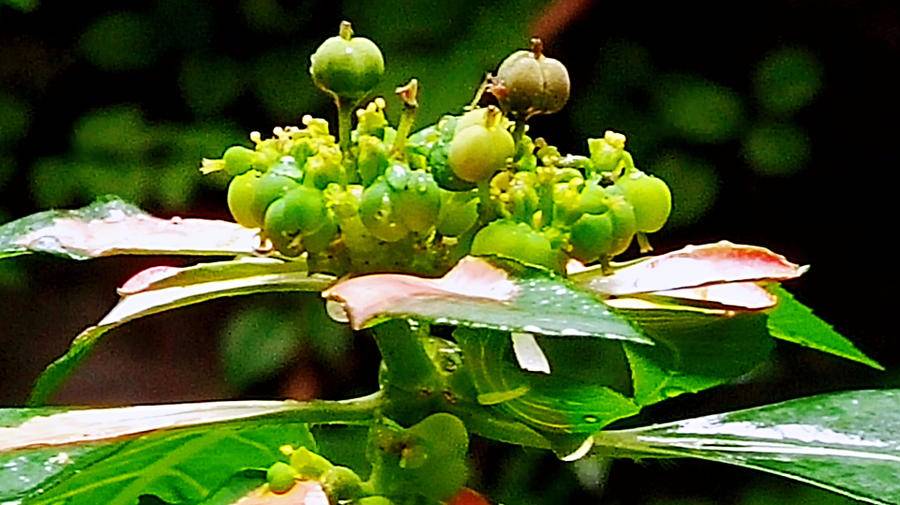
[591,237]
[377,211]
[624,224]
[529,83]
[281,477]
[651,198]
[269,187]
[319,240]
[341,483]
[301,211]
[239,159]
[308,464]
[241,191]
[347,66]
[517,241]
[419,203]
[458,213]
[479,150]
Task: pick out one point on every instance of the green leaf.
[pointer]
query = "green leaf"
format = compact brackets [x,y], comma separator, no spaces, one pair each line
[160,289]
[110,226]
[795,322]
[694,352]
[844,442]
[113,456]
[558,402]
[478,294]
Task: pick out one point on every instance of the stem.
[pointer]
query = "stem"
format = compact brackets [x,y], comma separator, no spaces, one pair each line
[363,408]
[345,115]
[408,365]
[484,201]
[644,243]
[518,131]
[409,95]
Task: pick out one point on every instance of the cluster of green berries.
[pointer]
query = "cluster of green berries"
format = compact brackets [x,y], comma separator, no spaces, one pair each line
[378,198]
[428,459]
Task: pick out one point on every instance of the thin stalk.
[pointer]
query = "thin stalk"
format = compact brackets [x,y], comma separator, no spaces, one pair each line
[409,95]
[345,115]
[408,365]
[359,409]
[518,131]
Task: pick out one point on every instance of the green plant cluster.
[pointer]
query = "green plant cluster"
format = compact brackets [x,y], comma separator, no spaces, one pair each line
[476,183]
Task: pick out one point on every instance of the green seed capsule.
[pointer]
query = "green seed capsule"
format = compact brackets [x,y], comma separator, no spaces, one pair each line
[478,151]
[518,241]
[308,464]
[529,83]
[269,187]
[301,211]
[281,477]
[321,239]
[650,197]
[241,191]
[341,483]
[591,237]
[624,224]
[419,203]
[239,159]
[458,213]
[347,66]
[377,209]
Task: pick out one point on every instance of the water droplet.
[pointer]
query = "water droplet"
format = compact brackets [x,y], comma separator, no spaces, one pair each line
[336,311]
[176,220]
[591,419]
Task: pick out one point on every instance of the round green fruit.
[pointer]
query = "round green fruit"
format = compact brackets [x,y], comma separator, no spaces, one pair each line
[624,224]
[347,66]
[529,83]
[377,209]
[281,477]
[478,151]
[301,211]
[591,237]
[518,241]
[239,159]
[341,484]
[241,192]
[269,187]
[419,203]
[651,198]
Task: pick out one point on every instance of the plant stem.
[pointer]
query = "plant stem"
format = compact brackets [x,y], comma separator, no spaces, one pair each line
[363,408]
[409,95]
[518,131]
[345,114]
[407,363]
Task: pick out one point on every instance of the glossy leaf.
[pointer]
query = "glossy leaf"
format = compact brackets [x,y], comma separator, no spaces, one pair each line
[478,294]
[795,322]
[556,403]
[694,352]
[114,456]
[157,290]
[844,442]
[111,226]
[303,493]
[692,266]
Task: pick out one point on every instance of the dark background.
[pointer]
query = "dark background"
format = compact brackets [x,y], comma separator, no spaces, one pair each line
[774,123]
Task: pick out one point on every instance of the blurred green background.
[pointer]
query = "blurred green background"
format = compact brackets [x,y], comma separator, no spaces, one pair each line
[774,123]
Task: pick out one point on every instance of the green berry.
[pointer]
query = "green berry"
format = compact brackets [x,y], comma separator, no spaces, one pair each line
[458,213]
[529,83]
[308,464]
[239,159]
[341,483]
[651,198]
[377,209]
[476,152]
[624,224]
[347,66]
[269,187]
[301,211]
[318,241]
[419,203]
[518,241]
[281,477]
[241,191]
[591,237]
